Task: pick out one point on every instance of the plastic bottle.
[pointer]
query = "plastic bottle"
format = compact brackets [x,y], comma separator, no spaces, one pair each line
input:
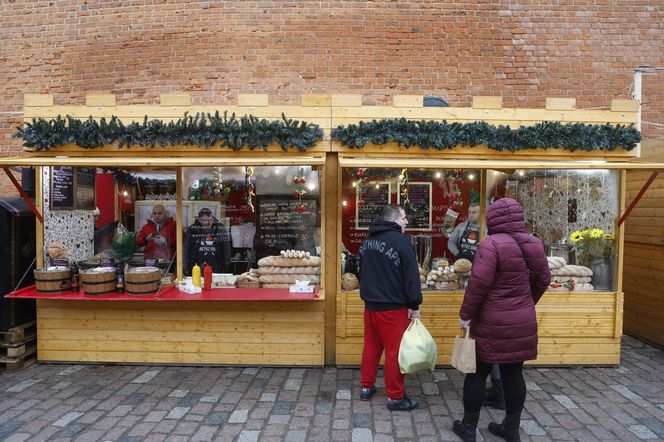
[207,277]
[75,278]
[119,281]
[196,276]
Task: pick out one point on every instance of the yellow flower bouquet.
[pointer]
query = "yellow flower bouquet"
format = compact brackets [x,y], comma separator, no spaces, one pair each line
[593,242]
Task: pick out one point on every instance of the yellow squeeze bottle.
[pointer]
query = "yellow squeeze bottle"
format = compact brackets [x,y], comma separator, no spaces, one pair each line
[196,275]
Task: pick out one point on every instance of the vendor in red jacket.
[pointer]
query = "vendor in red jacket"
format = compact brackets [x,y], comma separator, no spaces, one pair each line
[509,276]
[158,235]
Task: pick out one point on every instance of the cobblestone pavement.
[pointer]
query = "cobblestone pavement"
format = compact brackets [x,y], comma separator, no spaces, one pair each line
[156,403]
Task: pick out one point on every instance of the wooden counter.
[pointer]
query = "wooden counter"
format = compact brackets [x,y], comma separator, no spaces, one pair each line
[575,328]
[182,332]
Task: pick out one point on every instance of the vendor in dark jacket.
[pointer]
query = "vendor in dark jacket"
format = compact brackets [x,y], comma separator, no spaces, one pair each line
[207,242]
[390,289]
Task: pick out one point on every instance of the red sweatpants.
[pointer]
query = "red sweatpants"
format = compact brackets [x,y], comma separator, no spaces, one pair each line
[383,331]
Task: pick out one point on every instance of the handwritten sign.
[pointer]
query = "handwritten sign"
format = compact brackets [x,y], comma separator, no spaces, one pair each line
[419,214]
[73,188]
[369,205]
[62,187]
[281,227]
[84,187]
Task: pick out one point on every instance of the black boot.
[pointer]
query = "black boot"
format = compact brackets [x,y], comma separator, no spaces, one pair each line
[495,396]
[508,429]
[466,429]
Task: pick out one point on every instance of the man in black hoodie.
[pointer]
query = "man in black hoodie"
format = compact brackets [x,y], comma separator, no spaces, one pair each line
[390,289]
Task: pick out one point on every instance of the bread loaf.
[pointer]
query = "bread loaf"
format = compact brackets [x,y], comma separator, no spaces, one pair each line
[282,261]
[276,286]
[275,270]
[462,265]
[349,281]
[288,279]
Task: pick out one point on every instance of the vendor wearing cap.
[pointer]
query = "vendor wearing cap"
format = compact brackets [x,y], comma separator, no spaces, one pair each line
[207,242]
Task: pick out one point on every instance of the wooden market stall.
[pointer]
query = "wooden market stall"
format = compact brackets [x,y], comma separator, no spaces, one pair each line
[259,326]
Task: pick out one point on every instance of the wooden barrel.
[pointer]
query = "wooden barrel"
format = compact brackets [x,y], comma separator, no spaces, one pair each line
[142,280]
[52,281]
[98,281]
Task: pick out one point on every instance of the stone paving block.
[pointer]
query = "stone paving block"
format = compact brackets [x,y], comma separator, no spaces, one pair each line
[142,429]
[18,437]
[145,377]
[212,398]
[248,436]
[387,438]
[177,413]
[178,393]
[67,419]
[90,436]
[559,433]
[185,428]
[71,431]
[343,395]
[642,432]
[430,388]
[204,433]
[251,371]
[362,435]
[531,428]
[296,436]
[22,386]
[238,417]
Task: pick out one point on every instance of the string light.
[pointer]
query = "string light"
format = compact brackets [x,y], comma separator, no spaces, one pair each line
[438,174]
[344,203]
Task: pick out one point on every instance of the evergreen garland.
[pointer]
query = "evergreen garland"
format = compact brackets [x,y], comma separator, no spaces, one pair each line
[441,135]
[203,130]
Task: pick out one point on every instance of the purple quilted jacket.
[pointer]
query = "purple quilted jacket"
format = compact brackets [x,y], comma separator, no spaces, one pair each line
[501,296]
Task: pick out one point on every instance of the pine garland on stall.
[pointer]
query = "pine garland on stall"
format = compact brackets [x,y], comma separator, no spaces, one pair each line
[202,130]
[441,135]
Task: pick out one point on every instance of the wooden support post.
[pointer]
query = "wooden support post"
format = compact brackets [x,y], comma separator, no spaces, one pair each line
[637,198]
[331,238]
[178,226]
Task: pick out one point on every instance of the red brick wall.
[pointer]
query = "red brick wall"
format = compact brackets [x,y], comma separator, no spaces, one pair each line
[522,50]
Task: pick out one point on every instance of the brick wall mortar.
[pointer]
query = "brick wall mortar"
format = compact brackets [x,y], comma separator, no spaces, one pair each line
[522,50]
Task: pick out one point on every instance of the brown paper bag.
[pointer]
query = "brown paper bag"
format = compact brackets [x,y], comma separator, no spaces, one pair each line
[463,353]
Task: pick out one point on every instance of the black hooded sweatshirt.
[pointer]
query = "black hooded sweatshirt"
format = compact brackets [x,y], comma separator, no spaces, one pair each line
[389,277]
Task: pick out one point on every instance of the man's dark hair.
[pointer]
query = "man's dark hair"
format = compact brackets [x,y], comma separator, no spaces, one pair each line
[391,211]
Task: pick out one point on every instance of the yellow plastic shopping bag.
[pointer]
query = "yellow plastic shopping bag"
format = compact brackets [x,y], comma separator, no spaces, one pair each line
[463,353]
[417,351]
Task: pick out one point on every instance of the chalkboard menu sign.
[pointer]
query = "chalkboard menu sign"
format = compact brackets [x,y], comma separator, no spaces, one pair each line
[62,187]
[419,214]
[85,187]
[281,227]
[72,188]
[370,204]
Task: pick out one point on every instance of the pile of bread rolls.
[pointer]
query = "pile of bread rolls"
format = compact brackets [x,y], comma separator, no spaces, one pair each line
[568,277]
[291,265]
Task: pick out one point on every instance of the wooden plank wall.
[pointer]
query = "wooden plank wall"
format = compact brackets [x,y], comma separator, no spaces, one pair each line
[574,328]
[226,333]
[643,282]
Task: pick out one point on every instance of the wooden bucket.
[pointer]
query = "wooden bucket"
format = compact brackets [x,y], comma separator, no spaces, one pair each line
[98,282]
[53,281]
[142,280]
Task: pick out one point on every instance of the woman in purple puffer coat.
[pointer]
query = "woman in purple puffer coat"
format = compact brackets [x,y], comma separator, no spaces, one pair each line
[509,275]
